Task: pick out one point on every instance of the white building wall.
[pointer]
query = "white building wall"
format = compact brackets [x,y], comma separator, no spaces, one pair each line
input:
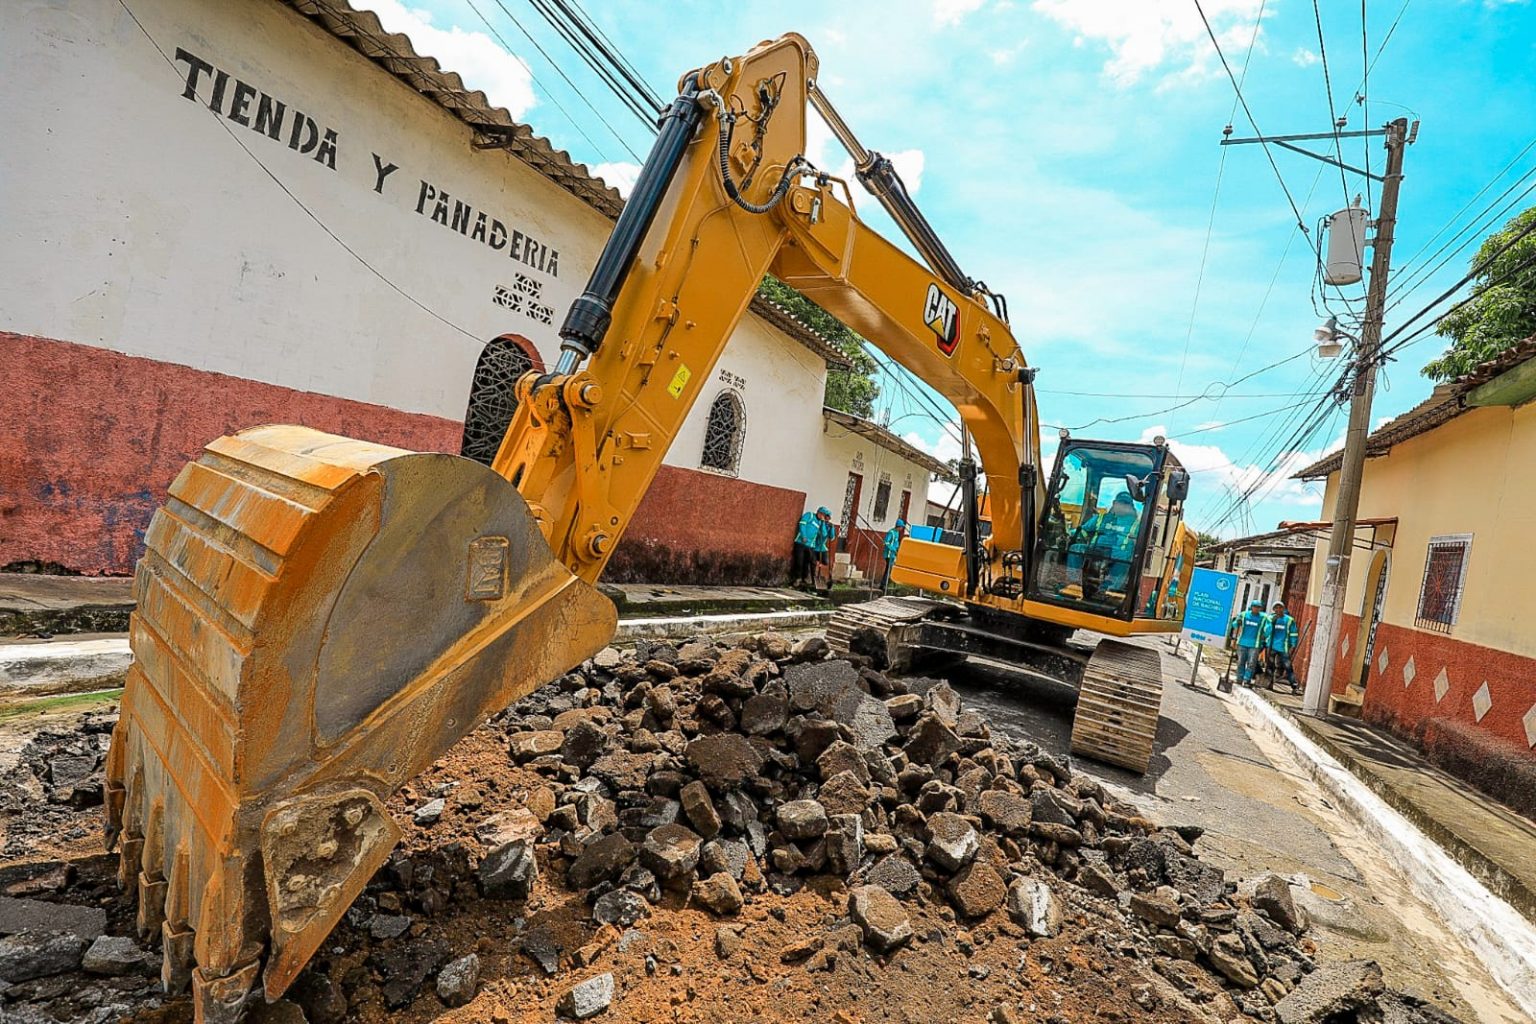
[843,452]
[137,220]
[780,384]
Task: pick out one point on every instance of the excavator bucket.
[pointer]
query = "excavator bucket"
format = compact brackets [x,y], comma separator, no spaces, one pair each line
[317,620]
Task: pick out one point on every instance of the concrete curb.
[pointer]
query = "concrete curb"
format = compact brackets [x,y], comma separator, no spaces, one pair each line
[744,622]
[1502,938]
[80,666]
[63,666]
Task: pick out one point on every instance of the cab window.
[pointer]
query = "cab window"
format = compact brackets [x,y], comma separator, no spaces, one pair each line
[1092,523]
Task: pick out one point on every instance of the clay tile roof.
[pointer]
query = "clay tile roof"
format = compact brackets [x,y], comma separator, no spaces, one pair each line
[392,51]
[495,128]
[787,322]
[1443,405]
[887,440]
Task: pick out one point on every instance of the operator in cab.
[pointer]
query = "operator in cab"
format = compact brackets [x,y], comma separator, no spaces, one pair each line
[1109,536]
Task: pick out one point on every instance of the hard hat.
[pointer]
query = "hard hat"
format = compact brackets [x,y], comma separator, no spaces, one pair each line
[824,511]
[1125,496]
[901,523]
[1255,603]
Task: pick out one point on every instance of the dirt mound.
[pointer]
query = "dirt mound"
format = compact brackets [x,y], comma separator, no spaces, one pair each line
[690,832]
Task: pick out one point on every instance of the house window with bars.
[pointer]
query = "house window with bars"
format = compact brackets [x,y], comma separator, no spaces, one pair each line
[723,433]
[493,398]
[882,500]
[1445,577]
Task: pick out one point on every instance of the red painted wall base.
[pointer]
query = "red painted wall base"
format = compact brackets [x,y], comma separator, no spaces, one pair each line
[90,439]
[1405,699]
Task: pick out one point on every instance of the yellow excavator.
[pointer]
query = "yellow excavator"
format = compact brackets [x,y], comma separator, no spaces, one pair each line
[318,618]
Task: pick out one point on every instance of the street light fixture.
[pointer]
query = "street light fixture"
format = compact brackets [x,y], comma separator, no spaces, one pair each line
[1327,336]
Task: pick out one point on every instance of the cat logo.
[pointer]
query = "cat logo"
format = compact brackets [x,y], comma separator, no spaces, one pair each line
[943,318]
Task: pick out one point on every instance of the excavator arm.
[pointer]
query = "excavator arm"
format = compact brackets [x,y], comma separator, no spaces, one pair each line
[319,618]
[725,198]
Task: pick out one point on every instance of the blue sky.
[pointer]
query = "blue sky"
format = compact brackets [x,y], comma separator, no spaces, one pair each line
[1067,150]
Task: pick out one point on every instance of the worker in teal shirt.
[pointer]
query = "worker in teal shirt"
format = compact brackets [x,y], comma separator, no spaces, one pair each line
[1248,630]
[811,536]
[1281,634]
[892,543]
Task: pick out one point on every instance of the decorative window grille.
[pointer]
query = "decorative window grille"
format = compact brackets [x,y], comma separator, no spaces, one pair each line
[905,515]
[492,398]
[1445,577]
[850,499]
[723,434]
[882,500]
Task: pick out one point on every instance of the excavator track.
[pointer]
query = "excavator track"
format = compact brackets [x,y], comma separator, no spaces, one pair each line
[1118,702]
[317,620]
[880,614]
[1120,687]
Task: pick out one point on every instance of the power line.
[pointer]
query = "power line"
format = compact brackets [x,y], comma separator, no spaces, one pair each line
[1254,124]
[1420,333]
[375,271]
[1468,204]
[1363,97]
[535,78]
[577,16]
[1478,268]
[563,23]
[1333,117]
[1192,401]
[561,72]
[1210,223]
[1473,232]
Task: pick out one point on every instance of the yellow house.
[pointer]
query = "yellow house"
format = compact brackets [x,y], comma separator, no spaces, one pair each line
[1437,641]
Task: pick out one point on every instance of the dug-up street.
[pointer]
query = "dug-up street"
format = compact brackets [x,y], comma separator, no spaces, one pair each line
[743,828]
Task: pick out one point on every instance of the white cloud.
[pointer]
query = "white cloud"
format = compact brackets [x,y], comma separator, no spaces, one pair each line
[1144,36]
[1304,58]
[823,150]
[952,12]
[1004,56]
[477,57]
[1217,479]
[620,174]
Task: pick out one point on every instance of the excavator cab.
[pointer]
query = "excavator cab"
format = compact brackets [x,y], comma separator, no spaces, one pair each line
[1112,515]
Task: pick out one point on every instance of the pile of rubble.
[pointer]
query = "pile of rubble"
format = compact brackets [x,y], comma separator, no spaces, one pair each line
[829,820]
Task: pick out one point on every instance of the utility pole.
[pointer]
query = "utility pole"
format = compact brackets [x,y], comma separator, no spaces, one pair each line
[1325,643]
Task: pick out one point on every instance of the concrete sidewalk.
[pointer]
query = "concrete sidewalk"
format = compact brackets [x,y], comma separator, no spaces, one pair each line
[65,634]
[659,600]
[34,603]
[1495,845]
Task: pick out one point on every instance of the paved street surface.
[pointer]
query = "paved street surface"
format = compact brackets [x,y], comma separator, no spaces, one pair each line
[1213,767]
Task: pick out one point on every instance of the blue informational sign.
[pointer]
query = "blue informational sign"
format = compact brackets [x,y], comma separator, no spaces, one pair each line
[1208,608]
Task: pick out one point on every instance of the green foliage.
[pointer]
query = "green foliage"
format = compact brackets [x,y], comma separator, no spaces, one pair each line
[1204,542]
[851,391]
[1503,307]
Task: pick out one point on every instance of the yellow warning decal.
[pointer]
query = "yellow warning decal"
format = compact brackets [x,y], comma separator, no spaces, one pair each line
[679,381]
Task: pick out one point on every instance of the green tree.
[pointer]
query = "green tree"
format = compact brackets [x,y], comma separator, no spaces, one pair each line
[1503,307]
[1204,542]
[853,390]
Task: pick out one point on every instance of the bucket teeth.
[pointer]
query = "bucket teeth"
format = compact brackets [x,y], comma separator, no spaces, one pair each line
[176,959]
[129,856]
[151,907]
[222,999]
[317,620]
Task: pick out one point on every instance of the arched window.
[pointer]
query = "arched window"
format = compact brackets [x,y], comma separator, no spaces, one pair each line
[492,396]
[724,432]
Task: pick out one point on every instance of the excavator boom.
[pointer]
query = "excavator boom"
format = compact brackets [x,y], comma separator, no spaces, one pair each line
[320,618]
